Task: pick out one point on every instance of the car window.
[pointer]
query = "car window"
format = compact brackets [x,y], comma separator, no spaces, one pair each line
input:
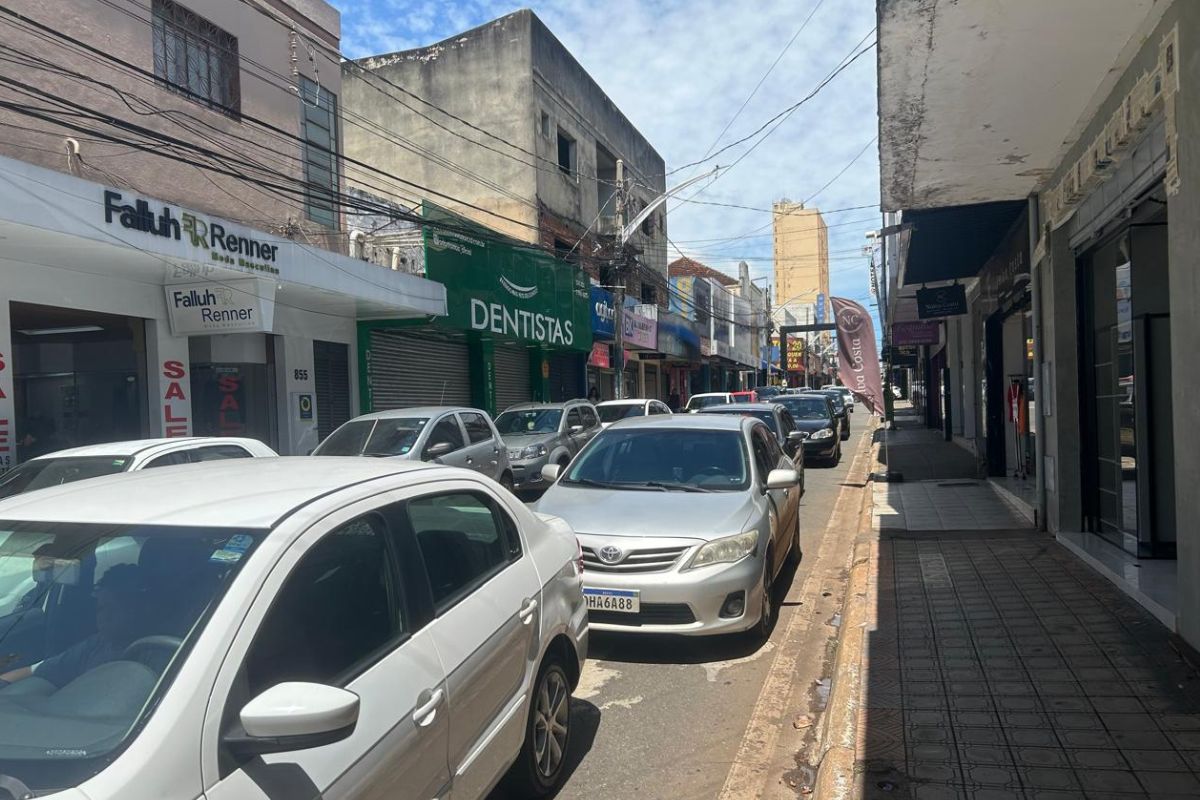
[619,411]
[762,451]
[654,458]
[337,612]
[42,472]
[529,420]
[589,417]
[218,452]
[774,451]
[786,420]
[168,460]
[573,418]
[446,430]
[477,427]
[463,540]
[100,588]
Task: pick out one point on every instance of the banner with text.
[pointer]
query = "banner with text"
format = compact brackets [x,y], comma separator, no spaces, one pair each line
[858,362]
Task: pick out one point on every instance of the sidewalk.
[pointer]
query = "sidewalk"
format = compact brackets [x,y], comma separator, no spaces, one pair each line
[997,665]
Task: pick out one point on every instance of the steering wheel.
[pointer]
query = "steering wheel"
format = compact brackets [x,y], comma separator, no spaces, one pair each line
[150,644]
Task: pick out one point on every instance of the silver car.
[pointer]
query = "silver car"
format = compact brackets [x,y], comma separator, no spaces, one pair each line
[450,435]
[685,522]
[537,434]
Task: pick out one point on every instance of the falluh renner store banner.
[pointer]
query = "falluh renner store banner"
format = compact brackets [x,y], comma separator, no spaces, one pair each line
[499,286]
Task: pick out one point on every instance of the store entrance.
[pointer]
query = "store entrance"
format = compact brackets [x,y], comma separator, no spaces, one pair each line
[1128,437]
[79,378]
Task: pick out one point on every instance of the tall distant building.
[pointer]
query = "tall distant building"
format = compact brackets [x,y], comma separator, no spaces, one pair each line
[801,257]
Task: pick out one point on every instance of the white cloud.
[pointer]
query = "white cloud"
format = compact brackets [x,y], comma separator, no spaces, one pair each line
[679,69]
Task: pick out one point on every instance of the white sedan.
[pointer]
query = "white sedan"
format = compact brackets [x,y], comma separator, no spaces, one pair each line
[288,627]
[109,458]
[611,411]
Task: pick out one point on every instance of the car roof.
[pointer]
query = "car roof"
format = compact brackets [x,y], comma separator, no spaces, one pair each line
[704,422]
[415,411]
[712,394]
[132,447]
[626,402]
[563,404]
[734,408]
[244,493]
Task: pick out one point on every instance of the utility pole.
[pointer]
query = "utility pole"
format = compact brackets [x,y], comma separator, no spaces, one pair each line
[619,268]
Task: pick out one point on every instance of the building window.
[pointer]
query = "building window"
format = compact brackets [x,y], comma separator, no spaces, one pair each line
[566,152]
[195,57]
[544,125]
[318,109]
[565,250]
[649,294]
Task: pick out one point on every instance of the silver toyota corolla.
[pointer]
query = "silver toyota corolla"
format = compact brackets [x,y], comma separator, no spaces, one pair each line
[685,521]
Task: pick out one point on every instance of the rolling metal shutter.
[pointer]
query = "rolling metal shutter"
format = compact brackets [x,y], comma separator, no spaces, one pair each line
[566,377]
[512,375]
[413,370]
[331,367]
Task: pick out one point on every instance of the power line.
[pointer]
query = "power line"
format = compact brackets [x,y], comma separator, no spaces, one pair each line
[767,74]
[841,172]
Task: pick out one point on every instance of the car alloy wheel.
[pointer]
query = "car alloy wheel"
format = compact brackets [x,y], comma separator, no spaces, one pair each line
[551,721]
[767,611]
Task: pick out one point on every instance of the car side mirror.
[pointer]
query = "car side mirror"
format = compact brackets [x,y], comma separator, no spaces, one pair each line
[576,429]
[437,450]
[550,472]
[797,436]
[782,479]
[294,716]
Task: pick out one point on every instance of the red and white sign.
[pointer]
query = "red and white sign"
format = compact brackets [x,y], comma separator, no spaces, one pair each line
[176,408]
[601,355]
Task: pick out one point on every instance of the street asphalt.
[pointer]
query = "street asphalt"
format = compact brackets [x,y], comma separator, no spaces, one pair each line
[664,717]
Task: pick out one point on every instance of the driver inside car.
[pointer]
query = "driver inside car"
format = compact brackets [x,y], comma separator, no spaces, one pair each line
[117,600]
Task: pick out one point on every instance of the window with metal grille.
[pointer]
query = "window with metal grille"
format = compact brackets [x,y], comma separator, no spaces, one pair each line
[318,108]
[196,58]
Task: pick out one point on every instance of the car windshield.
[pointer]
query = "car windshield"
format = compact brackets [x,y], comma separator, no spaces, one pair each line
[766,416]
[838,403]
[805,407]
[656,458]
[43,472]
[529,420]
[374,437]
[616,412]
[742,398]
[94,621]
[765,392]
[705,401]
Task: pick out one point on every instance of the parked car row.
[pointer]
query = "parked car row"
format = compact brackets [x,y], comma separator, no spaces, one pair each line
[386,617]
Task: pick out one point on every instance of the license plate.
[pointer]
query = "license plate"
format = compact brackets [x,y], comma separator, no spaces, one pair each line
[624,601]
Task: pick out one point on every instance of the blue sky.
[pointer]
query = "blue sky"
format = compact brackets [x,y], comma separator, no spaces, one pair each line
[680,69]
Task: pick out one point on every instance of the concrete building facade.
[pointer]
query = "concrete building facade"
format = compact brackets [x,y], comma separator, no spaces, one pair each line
[1061,209]
[801,244]
[171,208]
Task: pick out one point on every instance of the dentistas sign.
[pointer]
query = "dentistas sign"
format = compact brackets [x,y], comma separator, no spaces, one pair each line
[499,286]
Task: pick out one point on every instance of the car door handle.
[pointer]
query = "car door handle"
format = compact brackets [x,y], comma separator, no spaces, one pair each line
[470,460]
[527,609]
[425,713]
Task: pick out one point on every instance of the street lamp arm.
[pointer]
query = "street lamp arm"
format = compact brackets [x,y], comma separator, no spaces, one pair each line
[628,231]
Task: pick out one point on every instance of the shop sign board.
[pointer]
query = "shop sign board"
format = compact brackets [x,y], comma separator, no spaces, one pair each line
[944,301]
[244,305]
[908,333]
[603,313]
[219,243]
[501,286]
[601,355]
[640,331]
[677,337]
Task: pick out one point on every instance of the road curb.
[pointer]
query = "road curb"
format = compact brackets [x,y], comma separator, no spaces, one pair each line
[836,777]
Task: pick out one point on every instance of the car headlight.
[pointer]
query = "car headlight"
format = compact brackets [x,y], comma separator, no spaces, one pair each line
[824,433]
[726,550]
[533,451]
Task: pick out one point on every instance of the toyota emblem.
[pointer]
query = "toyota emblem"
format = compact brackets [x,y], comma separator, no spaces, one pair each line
[610,555]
